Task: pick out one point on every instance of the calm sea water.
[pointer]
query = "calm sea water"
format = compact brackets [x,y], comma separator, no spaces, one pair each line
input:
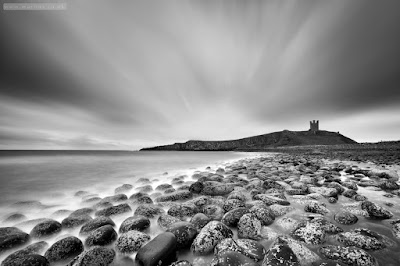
[46,175]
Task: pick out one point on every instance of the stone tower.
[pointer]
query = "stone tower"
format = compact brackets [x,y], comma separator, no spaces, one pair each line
[314,126]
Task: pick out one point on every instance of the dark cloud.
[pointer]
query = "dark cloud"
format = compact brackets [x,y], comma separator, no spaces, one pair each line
[156,72]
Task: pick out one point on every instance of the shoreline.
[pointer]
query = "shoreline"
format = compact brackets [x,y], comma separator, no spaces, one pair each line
[295,192]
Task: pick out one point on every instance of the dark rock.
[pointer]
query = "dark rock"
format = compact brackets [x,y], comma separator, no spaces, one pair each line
[388,185]
[94,224]
[305,256]
[349,193]
[232,258]
[232,217]
[270,200]
[396,228]
[102,205]
[74,221]
[34,259]
[272,184]
[249,227]
[175,196]
[251,249]
[11,237]
[138,195]
[82,211]
[19,256]
[310,233]
[240,195]
[81,193]
[91,200]
[64,249]
[115,198]
[137,222]
[280,255]
[375,211]
[345,217]
[131,241]
[169,190]
[217,189]
[163,186]
[183,210]
[99,256]
[214,212]
[209,237]
[316,207]
[350,185]
[159,251]
[231,204]
[165,220]
[101,236]
[123,188]
[184,232]
[200,220]
[145,189]
[45,229]
[16,217]
[143,200]
[348,255]
[332,200]
[359,197]
[279,210]
[143,180]
[148,210]
[362,238]
[114,210]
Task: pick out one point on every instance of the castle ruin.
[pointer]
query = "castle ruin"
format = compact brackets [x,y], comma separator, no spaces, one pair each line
[314,126]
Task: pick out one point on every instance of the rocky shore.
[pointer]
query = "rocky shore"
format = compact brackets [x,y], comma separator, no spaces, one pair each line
[281,209]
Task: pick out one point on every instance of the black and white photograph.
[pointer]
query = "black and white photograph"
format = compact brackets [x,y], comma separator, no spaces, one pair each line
[200,133]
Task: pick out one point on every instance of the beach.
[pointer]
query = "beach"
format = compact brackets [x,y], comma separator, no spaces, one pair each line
[202,208]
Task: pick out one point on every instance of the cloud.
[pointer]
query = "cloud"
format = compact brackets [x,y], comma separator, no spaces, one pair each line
[156,72]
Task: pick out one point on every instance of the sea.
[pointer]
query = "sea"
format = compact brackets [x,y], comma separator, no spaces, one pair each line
[43,184]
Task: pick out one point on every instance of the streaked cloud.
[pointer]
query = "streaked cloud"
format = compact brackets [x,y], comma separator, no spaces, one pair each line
[105,75]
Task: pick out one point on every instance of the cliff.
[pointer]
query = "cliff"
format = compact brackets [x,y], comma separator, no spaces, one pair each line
[272,140]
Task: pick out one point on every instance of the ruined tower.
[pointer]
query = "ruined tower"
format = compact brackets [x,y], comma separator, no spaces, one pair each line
[314,126]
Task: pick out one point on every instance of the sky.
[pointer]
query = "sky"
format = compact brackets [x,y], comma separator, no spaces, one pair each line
[132,74]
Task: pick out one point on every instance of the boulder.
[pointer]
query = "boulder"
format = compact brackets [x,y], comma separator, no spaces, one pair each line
[348,255]
[232,258]
[123,188]
[184,232]
[345,217]
[175,196]
[165,220]
[249,227]
[209,236]
[46,229]
[396,228]
[101,236]
[375,211]
[160,250]
[34,259]
[316,207]
[115,198]
[270,200]
[94,224]
[64,249]
[231,204]
[12,237]
[280,255]
[148,210]
[305,256]
[214,212]
[264,214]
[131,241]
[75,221]
[99,256]
[362,238]
[232,217]
[137,222]
[81,211]
[183,210]
[324,191]
[310,233]
[217,189]
[17,257]
[200,220]
[114,210]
